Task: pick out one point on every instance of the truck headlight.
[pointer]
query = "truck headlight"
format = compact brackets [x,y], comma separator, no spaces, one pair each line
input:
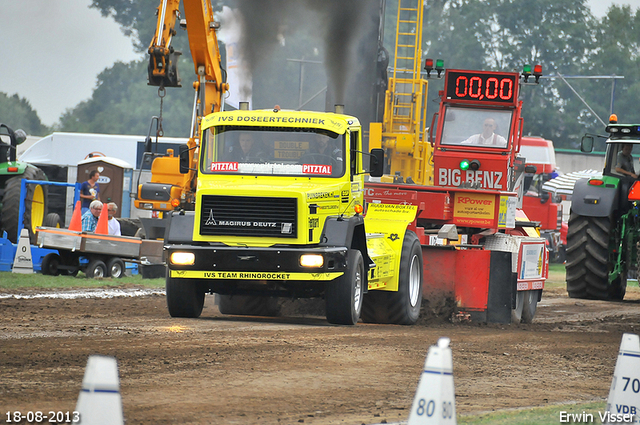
[311,260]
[182,258]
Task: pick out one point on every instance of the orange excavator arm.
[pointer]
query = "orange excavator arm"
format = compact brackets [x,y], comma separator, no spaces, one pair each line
[209,85]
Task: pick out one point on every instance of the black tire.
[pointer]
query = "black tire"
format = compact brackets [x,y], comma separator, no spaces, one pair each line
[516,313]
[115,268]
[400,307]
[530,305]
[185,298]
[344,295]
[50,264]
[588,259]
[526,306]
[96,269]
[53,220]
[248,305]
[11,204]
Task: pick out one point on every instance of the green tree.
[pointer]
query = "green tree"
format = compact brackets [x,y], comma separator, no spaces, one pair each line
[17,112]
[123,103]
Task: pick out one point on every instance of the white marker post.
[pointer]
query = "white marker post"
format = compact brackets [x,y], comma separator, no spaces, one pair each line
[22,262]
[435,402]
[624,396]
[99,402]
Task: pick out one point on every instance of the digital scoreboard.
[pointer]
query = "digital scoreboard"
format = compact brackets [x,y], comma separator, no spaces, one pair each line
[482,86]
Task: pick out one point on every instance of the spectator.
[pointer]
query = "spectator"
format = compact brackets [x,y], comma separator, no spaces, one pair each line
[323,151]
[90,218]
[90,190]
[114,224]
[488,137]
[247,150]
[624,164]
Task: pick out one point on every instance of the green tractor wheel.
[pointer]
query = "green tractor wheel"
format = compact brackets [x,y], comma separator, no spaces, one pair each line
[588,259]
[35,204]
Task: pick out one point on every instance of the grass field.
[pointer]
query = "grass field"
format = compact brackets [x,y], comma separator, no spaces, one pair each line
[10,280]
[539,416]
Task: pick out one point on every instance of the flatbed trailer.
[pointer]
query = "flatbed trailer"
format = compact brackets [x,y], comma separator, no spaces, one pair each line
[95,254]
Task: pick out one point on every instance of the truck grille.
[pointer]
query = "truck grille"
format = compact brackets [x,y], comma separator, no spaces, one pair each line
[249,216]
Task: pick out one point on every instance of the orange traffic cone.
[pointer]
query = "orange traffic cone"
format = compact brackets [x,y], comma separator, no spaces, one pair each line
[76,218]
[102,228]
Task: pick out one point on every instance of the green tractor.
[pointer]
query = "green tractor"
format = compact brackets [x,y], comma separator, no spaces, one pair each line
[604,226]
[11,174]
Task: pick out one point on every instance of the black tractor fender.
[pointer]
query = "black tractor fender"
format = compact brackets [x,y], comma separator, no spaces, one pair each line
[348,232]
[594,201]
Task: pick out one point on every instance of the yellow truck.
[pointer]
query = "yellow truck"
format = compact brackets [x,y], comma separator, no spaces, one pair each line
[279,213]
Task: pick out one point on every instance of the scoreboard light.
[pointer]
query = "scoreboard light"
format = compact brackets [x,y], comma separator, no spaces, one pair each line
[439,67]
[537,72]
[482,86]
[472,165]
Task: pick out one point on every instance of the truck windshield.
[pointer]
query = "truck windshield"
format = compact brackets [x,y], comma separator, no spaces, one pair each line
[488,128]
[622,157]
[272,151]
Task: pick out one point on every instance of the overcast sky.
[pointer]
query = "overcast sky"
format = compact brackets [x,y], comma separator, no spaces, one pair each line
[53,51]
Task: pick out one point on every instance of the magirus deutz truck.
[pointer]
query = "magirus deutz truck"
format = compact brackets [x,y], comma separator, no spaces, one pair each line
[278,213]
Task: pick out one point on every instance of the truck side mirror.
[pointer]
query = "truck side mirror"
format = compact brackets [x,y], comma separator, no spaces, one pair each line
[376,162]
[586,144]
[183,153]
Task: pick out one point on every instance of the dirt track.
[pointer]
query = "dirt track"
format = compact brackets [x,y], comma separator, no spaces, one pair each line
[237,370]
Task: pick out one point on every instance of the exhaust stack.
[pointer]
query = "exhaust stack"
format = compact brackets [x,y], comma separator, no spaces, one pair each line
[243,106]
[339,109]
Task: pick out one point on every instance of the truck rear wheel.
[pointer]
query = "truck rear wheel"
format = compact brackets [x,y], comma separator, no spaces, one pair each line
[185,298]
[247,305]
[34,208]
[344,295]
[588,258]
[403,306]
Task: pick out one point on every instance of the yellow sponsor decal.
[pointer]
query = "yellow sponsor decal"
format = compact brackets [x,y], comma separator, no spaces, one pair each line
[296,146]
[198,274]
[474,205]
[382,211]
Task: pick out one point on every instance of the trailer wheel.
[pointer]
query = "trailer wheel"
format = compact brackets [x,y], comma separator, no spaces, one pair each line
[96,269]
[344,295]
[403,306]
[35,204]
[530,305]
[185,297]
[247,305]
[526,305]
[588,257]
[53,220]
[115,268]
[50,264]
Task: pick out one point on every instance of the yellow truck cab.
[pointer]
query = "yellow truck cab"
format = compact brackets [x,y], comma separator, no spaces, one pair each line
[278,213]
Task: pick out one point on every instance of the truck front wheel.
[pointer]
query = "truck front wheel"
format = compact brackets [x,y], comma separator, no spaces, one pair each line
[344,295]
[185,298]
[401,307]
